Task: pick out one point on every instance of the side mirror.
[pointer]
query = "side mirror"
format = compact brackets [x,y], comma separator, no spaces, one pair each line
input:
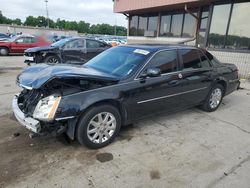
[151,72]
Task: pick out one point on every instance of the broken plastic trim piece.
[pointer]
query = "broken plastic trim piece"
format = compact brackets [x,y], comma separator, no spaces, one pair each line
[25,87]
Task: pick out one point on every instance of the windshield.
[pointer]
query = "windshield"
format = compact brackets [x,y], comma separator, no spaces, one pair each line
[60,42]
[119,61]
[12,39]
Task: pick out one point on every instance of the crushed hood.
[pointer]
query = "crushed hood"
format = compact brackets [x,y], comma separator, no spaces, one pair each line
[40,48]
[37,75]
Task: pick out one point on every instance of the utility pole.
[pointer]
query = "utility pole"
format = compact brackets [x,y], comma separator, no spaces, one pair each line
[115,25]
[47,12]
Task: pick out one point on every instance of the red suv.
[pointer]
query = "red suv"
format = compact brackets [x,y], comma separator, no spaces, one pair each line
[20,43]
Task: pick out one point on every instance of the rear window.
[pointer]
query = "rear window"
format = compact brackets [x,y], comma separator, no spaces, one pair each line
[215,62]
[193,59]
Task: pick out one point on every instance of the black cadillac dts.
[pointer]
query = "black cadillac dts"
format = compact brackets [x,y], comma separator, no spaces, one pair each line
[91,102]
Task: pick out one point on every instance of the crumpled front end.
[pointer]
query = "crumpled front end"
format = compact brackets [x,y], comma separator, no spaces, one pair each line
[44,105]
[36,111]
[27,121]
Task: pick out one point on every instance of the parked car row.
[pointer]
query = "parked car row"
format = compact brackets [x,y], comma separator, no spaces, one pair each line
[113,41]
[4,36]
[68,50]
[91,102]
[19,43]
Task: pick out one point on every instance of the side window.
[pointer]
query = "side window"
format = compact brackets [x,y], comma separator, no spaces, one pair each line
[74,44]
[165,60]
[94,44]
[29,40]
[20,40]
[215,63]
[191,59]
[204,61]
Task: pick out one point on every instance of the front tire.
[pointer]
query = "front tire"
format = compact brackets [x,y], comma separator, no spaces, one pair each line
[99,126]
[52,59]
[213,99]
[4,51]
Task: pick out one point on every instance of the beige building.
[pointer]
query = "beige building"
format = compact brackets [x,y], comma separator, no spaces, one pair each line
[219,25]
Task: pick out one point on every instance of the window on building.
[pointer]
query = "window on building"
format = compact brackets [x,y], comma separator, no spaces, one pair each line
[204,19]
[219,26]
[176,25]
[133,26]
[143,22]
[238,35]
[152,23]
[189,26]
[201,41]
[165,60]
[165,25]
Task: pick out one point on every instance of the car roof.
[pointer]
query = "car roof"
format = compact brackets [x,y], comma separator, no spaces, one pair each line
[157,47]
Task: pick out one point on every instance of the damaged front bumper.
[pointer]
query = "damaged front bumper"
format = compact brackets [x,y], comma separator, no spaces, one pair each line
[28,122]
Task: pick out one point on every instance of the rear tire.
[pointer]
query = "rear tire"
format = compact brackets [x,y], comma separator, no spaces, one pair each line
[52,59]
[4,51]
[99,126]
[213,99]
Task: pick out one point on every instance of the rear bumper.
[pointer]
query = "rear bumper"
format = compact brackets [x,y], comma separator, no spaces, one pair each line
[27,122]
[232,86]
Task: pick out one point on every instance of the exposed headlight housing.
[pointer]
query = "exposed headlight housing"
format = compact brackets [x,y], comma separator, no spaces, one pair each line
[46,108]
[44,54]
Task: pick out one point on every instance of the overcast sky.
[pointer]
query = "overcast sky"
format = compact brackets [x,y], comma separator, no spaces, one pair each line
[92,11]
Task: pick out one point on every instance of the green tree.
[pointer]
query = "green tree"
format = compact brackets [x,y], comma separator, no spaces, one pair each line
[83,27]
[41,21]
[17,21]
[121,31]
[71,25]
[60,23]
[31,21]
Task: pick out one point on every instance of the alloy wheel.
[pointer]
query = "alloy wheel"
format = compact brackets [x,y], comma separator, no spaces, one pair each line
[215,98]
[53,60]
[101,127]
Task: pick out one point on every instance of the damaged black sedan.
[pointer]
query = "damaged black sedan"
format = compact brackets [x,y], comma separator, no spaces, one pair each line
[119,86]
[76,50]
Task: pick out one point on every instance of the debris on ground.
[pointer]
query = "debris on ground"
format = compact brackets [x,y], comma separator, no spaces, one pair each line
[16,134]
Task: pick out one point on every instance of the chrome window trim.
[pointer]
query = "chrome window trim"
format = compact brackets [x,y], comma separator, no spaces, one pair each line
[172,95]
[175,72]
[63,118]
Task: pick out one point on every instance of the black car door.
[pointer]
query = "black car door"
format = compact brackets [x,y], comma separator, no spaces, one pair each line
[74,51]
[94,47]
[155,94]
[196,76]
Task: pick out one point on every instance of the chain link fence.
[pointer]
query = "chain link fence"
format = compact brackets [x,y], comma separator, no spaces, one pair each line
[241,60]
